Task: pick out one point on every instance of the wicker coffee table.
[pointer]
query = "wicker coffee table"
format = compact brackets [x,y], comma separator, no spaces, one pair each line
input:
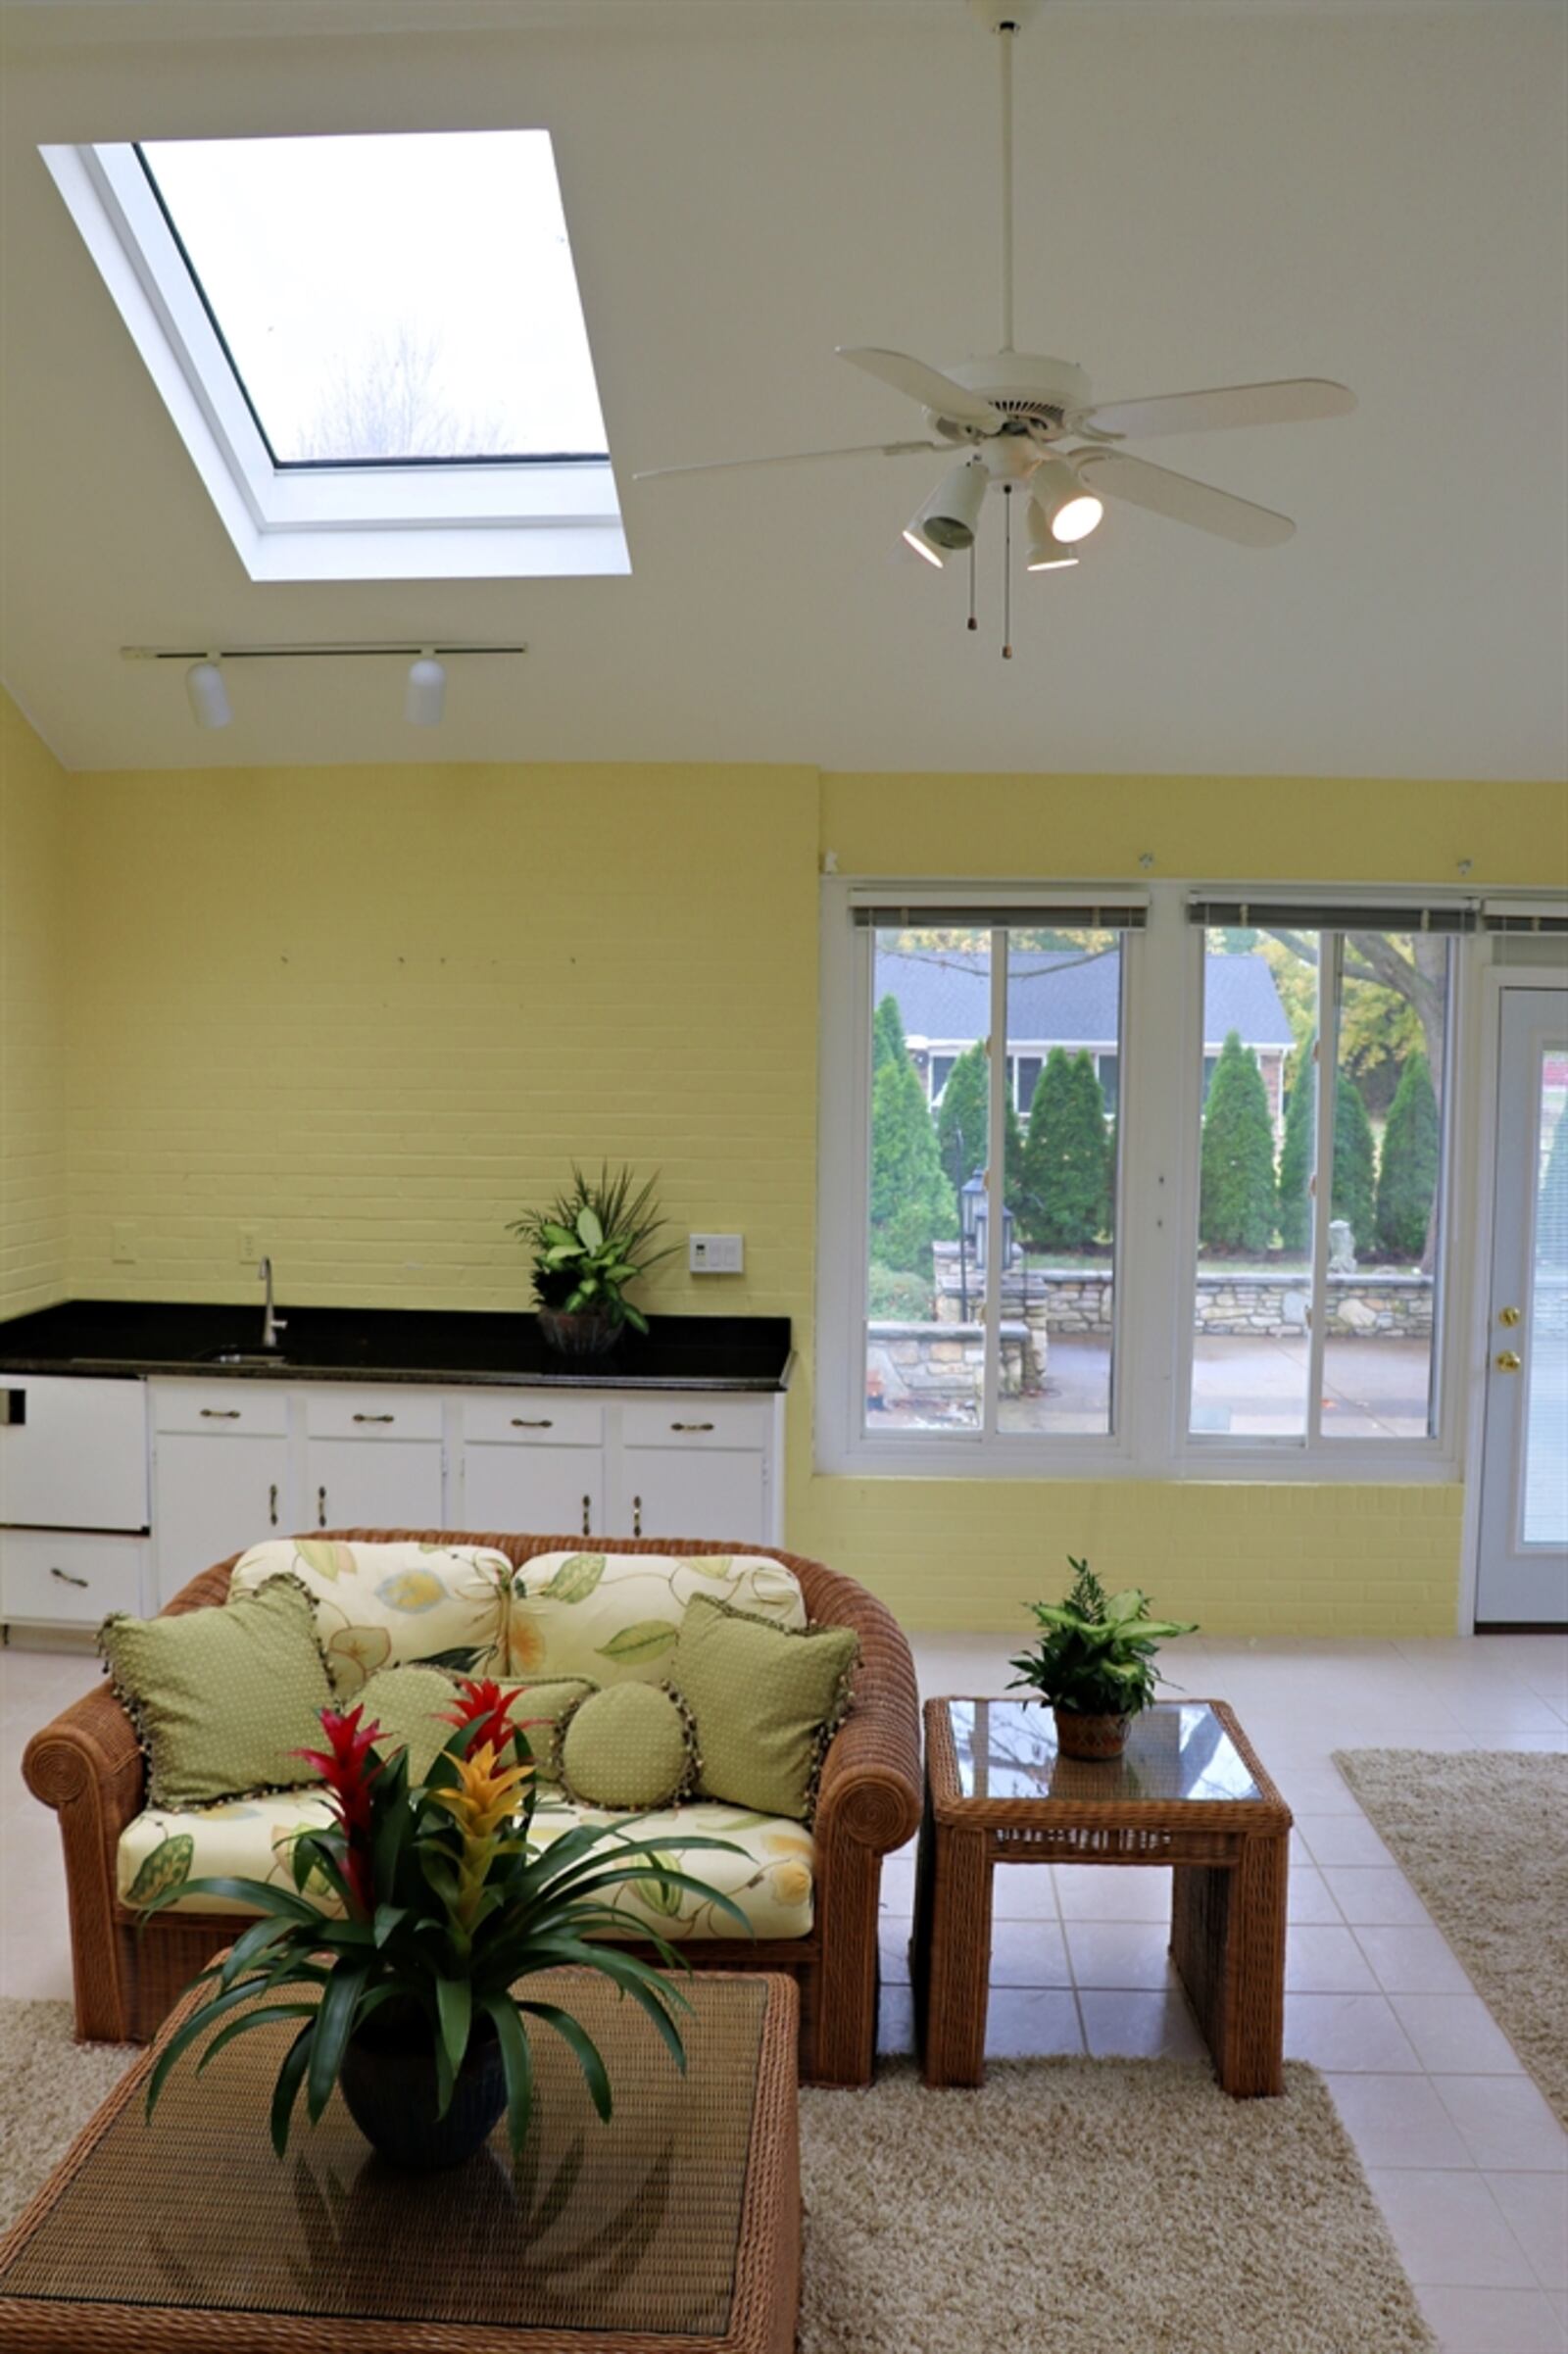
[676,2224]
[1188,1791]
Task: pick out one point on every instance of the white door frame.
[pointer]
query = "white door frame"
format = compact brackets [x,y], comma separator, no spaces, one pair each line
[1483,1189]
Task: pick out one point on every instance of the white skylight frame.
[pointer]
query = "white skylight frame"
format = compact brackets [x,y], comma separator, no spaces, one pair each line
[459,519]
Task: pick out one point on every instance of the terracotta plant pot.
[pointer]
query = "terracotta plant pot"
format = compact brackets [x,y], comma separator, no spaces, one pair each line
[1080,1735]
[581,1331]
[388,2083]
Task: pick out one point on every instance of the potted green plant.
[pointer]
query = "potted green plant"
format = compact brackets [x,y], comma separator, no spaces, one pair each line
[587,1246]
[404,1994]
[1094,1662]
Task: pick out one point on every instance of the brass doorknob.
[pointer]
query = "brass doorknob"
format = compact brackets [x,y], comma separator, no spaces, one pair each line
[1508,1316]
[1508,1360]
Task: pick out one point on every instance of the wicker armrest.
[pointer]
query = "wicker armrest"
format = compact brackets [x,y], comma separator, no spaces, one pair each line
[871,1789]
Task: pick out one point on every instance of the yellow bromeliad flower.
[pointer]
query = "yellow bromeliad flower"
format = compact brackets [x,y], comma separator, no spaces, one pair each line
[486,1801]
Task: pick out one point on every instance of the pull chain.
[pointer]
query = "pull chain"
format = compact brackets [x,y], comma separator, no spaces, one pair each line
[973,623]
[1007,573]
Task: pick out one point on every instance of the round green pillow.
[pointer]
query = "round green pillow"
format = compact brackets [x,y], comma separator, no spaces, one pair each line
[631,1745]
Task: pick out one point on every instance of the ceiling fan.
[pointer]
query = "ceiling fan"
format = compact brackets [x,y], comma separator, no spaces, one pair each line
[1025,424]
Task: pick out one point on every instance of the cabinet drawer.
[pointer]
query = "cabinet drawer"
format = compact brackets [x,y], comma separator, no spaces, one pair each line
[242,1409]
[68,1580]
[533,1421]
[388,1413]
[694,1422]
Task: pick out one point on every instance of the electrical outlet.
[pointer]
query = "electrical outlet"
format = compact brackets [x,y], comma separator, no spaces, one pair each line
[249,1248]
[715,1254]
[123,1242]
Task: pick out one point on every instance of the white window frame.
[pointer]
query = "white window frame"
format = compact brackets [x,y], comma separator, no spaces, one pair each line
[1158,1129]
[504,519]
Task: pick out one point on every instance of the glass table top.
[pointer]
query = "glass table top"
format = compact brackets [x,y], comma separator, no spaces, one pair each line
[1175,1750]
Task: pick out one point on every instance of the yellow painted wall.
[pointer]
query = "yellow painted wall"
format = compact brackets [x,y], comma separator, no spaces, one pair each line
[33,928]
[373,1013]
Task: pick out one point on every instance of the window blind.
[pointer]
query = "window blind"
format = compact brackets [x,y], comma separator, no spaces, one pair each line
[1109,916]
[1550,917]
[1330,916]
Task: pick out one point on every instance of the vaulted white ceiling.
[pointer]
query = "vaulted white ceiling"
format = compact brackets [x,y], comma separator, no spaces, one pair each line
[1207,195]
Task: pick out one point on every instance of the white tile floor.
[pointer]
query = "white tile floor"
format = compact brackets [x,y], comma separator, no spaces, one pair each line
[1468,2162]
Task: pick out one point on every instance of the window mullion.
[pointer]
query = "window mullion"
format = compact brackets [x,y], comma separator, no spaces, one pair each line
[996,1175]
[1331,955]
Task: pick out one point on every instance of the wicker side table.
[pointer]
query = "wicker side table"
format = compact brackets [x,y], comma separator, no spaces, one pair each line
[677,2226]
[1188,1793]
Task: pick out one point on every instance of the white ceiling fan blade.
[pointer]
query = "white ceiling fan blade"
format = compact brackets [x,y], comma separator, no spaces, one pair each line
[1295,400]
[1181,499]
[927,385]
[729,466]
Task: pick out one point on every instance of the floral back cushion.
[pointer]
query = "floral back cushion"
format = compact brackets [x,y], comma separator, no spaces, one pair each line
[390,1605]
[614,1617]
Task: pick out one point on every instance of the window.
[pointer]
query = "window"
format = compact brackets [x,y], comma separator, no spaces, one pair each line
[374,346]
[1179,1205]
[1320,1211]
[984,1244]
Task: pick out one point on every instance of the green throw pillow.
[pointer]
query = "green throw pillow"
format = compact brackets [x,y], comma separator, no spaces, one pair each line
[222,1697]
[541,1709]
[629,1746]
[409,1703]
[768,1700]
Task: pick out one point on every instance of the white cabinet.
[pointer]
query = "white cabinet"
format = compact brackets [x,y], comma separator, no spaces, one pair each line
[60,1577]
[216,1494]
[695,1466]
[533,1462]
[372,1483]
[72,1453]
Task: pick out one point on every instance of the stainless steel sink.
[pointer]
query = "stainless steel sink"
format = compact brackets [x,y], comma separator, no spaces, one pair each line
[245,1356]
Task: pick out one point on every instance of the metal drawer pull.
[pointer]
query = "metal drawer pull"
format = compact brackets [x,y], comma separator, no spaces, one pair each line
[585,1508]
[691,1426]
[375,1417]
[271,1504]
[521,1422]
[636,1515]
[65,1578]
[320,1507]
[218,1414]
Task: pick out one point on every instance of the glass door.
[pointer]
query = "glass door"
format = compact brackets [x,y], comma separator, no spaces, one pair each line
[1523,1567]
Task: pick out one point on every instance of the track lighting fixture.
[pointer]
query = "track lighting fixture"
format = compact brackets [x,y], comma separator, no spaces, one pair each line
[208,691]
[424,697]
[1070,510]
[950,517]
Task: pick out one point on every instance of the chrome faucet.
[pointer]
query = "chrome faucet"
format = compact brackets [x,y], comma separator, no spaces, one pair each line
[272,1323]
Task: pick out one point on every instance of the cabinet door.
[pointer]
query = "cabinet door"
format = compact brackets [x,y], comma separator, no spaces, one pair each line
[534,1490]
[214,1494]
[72,1452]
[714,1492]
[372,1484]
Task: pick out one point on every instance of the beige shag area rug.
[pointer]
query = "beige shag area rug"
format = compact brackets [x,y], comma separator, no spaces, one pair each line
[1070,2207]
[1483,1836]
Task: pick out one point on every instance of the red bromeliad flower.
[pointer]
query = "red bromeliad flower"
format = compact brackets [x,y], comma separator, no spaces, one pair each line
[346,1770]
[486,1705]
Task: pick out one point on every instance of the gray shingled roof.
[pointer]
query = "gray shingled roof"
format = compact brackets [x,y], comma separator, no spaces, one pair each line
[1053,998]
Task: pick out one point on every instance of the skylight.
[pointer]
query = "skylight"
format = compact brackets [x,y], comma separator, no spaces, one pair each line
[406,298]
[373,347]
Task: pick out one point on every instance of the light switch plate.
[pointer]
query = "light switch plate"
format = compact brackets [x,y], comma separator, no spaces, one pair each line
[715,1254]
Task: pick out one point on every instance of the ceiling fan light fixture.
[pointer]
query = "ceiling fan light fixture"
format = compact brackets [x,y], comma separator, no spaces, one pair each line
[915,537]
[950,515]
[1070,511]
[1046,553]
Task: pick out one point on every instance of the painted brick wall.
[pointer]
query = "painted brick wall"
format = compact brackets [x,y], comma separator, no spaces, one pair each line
[33,941]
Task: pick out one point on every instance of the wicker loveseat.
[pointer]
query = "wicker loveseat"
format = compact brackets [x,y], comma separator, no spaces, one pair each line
[86,1765]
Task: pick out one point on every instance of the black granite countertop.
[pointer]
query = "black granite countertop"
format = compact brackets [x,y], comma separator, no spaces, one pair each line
[138,1339]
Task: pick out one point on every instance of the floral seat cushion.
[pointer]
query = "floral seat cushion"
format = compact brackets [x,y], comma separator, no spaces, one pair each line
[391,1605]
[615,1617]
[771,1879]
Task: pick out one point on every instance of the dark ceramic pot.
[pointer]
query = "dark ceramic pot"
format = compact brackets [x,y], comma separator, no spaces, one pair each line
[388,2082]
[1080,1735]
[583,1332]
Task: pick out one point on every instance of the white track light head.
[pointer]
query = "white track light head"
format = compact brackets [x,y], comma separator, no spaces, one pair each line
[425,697]
[1070,510]
[208,691]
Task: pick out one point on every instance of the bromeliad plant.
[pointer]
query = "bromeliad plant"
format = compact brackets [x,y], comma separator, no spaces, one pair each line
[1095,1654]
[591,1244]
[446,1901]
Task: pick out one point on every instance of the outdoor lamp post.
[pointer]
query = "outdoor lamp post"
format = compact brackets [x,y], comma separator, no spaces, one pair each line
[971,1234]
